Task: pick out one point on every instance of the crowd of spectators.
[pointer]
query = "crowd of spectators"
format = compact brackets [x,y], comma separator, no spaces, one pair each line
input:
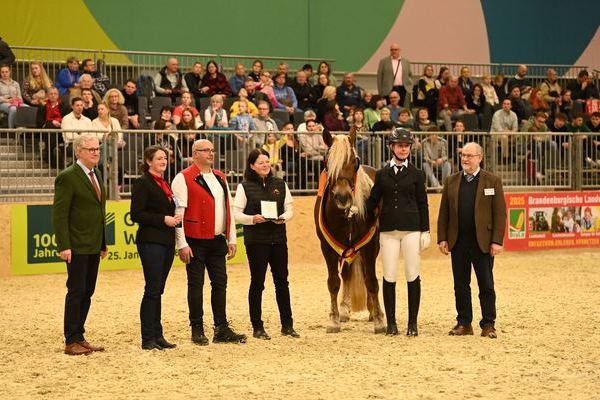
[82,96]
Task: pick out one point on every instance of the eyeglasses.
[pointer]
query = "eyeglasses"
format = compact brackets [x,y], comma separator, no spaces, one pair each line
[205,150]
[469,156]
[92,149]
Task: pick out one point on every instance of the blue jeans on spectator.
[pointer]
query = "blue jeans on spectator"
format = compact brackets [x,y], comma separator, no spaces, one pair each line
[156,263]
[12,113]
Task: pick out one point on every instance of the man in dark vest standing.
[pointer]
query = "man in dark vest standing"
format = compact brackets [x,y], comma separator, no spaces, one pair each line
[78,219]
[207,236]
[471,226]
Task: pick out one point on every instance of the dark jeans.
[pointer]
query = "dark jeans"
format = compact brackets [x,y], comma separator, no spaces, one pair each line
[81,283]
[464,254]
[156,263]
[259,256]
[209,254]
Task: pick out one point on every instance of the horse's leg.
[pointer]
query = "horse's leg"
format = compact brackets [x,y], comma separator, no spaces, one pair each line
[333,284]
[345,305]
[375,314]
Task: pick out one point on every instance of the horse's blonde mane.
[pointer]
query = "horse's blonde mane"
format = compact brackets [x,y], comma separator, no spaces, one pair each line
[340,153]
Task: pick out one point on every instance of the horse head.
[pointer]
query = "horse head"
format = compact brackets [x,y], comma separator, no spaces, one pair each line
[342,167]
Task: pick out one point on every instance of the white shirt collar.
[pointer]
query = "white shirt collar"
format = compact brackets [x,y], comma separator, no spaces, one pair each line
[85,169]
[394,163]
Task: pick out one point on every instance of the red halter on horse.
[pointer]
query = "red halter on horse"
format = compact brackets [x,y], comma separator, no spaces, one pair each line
[348,234]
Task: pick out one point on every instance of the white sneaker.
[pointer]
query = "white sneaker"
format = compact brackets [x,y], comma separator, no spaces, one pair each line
[540,176]
[591,162]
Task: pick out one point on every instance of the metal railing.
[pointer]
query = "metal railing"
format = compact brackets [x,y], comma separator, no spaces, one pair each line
[121,65]
[30,159]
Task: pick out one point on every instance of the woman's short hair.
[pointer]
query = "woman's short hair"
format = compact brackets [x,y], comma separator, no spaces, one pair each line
[250,174]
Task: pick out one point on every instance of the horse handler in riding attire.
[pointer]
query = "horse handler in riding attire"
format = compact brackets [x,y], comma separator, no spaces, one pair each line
[399,192]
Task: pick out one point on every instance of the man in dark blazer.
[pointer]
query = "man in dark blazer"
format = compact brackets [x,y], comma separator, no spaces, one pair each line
[471,226]
[78,218]
[393,73]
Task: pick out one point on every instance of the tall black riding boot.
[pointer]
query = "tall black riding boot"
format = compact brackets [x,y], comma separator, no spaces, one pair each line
[389,303]
[414,298]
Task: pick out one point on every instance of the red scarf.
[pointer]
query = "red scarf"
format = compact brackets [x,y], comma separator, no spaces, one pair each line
[163,185]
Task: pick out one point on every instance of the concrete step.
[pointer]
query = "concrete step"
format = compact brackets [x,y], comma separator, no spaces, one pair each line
[10,148]
[6,172]
[7,139]
[28,181]
[18,155]
[20,164]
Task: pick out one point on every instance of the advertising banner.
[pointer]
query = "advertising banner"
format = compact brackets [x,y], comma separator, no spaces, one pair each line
[34,244]
[538,221]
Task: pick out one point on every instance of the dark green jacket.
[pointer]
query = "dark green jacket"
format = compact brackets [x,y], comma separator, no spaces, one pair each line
[78,216]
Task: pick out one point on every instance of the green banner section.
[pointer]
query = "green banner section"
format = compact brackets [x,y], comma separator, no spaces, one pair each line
[34,244]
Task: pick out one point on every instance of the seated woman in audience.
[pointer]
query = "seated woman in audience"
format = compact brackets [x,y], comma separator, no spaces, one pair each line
[295,162]
[491,97]
[324,69]
[252,109]
[165,122]
[215,117]
[319,87]
[187,103]
[476,101]
[333,120]
[186,121]
[36,84]
[537,102]
[442,78]
[285,96]
[90,107]
[422,122]
[373,110]
[116,105]
[10,96]
[427,92]
[329,94]
[356,120]
[215,82]
[107,124]
[257,67]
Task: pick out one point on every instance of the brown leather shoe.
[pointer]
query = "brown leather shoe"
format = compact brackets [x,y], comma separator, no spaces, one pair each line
[461,330]
[90,346]
[489,331]
[75,349]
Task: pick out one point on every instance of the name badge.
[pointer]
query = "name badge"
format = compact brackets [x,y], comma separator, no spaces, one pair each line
[489,191]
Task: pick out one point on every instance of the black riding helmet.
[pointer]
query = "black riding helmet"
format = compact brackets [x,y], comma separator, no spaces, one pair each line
[401,135]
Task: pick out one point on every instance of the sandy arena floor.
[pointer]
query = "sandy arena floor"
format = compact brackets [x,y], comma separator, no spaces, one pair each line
[548,345]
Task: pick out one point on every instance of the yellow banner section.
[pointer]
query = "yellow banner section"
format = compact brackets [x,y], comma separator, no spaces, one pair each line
[34,244]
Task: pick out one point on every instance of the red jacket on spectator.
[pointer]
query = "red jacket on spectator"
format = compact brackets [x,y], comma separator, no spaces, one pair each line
[452,96]
[218,85]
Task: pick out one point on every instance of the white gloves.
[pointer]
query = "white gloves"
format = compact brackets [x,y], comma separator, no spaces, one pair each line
[425,240]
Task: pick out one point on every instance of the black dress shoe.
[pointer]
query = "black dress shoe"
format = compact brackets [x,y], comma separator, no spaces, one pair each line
[198,336]
[224,334]
[412,330]
[392,329]
[151,345]
[289,331]
[260,333]
[162,342]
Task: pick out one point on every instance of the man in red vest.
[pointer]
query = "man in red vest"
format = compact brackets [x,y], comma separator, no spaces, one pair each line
[205,239]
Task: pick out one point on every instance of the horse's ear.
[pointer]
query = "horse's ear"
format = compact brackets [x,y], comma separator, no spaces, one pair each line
[327,138]
[352,136]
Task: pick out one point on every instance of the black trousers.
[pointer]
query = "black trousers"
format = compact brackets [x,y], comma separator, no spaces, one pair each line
[156,263]
[209,255]
[259,257]
[464,254]
[81,283]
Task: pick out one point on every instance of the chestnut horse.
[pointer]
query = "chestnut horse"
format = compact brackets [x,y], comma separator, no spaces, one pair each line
[349,235]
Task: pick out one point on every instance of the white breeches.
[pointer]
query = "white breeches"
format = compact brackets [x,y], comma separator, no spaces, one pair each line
[391,243]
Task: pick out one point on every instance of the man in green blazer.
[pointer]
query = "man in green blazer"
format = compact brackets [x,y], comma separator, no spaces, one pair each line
[78,218]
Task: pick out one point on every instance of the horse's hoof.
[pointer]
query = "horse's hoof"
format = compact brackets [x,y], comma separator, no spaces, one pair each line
[344,318]
[370,318]
[379,329]
[333,329]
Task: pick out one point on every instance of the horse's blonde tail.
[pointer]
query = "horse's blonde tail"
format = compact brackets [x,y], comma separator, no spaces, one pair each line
[358,290]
